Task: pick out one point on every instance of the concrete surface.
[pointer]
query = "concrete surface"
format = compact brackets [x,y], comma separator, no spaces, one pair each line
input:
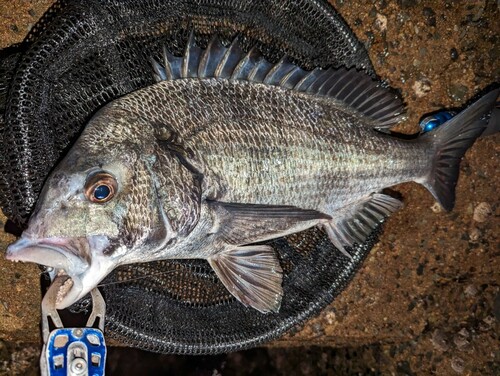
[427,299]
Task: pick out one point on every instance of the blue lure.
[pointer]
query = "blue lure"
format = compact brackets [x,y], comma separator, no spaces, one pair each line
[433,121]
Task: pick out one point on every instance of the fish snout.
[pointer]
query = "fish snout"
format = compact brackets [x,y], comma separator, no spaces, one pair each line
[58,253]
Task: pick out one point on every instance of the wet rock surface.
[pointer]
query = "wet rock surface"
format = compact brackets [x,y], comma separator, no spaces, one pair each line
[427,299]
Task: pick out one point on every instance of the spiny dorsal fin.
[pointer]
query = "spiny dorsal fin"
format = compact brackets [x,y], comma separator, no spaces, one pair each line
[191,59]
[355,89]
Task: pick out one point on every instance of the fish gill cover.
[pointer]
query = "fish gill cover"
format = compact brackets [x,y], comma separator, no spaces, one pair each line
[81,56]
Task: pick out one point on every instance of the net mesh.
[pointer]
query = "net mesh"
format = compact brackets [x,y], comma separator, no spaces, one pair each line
[181,306]
[83,54]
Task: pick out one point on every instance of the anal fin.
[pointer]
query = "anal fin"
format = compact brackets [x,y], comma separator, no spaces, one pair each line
[252,274]
[354,223]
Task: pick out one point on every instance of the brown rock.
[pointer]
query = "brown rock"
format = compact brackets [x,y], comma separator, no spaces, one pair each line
[482,212]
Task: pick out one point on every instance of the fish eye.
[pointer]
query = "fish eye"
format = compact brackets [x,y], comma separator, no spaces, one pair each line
[102,192]
[100,187]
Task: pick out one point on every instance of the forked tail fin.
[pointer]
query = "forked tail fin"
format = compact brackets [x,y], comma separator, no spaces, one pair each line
[451,140]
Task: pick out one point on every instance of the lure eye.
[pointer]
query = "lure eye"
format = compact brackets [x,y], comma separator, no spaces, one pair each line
[100,187]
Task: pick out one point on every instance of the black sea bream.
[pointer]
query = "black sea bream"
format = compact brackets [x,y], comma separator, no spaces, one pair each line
[228,150]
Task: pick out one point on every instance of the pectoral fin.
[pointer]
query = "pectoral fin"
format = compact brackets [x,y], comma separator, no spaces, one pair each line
[247,223]
[355,222]
[252,274]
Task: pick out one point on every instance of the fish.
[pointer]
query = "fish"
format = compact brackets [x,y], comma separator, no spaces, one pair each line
[228,150]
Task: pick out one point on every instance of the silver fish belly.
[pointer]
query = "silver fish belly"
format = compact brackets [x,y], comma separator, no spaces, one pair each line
[226,151]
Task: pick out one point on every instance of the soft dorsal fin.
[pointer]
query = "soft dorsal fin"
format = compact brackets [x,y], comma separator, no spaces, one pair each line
[355,89]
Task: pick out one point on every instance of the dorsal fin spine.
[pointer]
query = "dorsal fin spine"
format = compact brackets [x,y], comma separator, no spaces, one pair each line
[202,67]
[268,78]
[245,63]
[219,71]
[191,60]
[255,69]
[168,66]
[239,68]
[185,59]
[304,83]
[294,71]
[223,61]
[159,74]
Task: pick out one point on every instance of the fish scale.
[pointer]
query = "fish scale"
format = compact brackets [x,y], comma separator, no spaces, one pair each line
[337,162]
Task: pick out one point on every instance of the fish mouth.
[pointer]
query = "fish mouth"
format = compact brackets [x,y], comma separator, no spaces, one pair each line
[61,254]
[52,252]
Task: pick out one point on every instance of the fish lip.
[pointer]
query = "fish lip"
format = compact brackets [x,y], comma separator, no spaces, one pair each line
[60,254]
[55,253]
[72,295]
[51,252]
[84,282]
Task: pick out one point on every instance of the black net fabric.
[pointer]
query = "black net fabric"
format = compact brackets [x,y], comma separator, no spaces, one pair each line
[83,54]
[181,307]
